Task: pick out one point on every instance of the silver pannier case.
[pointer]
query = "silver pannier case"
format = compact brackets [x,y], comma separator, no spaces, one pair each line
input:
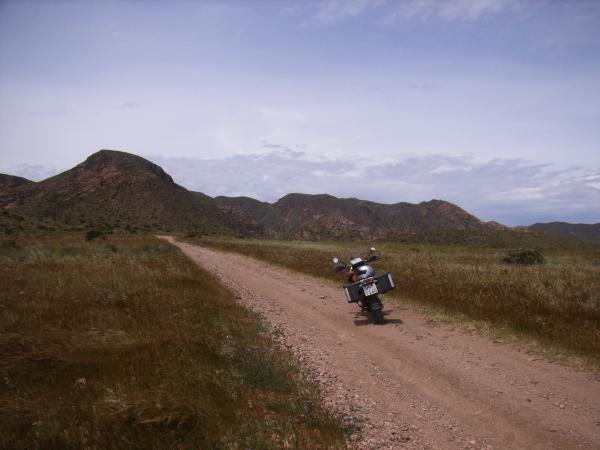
[383,281]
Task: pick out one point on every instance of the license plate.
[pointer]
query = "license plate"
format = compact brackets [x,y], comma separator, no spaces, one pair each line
[370,289]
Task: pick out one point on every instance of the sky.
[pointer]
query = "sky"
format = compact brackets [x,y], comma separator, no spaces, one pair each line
[491,104]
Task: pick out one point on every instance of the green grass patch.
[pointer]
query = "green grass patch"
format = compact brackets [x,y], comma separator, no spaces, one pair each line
[122,342]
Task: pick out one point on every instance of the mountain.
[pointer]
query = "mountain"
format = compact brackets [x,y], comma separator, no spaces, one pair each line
[579,231]
[304,216]
[8,182]
[113,188]
[10,185]
[246,215]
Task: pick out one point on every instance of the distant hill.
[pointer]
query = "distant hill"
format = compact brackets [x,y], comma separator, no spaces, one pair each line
[115,189]
[8,182]
[304,216]
[579,231]
[246,214]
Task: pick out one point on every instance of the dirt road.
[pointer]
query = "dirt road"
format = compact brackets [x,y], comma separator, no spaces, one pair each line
[416,383]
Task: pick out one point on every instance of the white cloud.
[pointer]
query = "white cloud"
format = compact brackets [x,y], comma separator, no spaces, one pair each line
[474,9]
[449,168]
[452,10]
[331,11]
[522,193]
[33,172]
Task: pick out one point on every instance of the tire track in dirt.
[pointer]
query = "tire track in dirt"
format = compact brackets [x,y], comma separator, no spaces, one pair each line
[415,383]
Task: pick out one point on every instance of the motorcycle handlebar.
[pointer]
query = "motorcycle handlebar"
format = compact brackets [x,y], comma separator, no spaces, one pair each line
[346,267]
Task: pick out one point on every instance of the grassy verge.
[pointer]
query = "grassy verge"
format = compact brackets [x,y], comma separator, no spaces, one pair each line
[122,342]
[554,307]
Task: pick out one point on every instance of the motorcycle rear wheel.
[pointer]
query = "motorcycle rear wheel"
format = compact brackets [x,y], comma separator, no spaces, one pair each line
[378,317]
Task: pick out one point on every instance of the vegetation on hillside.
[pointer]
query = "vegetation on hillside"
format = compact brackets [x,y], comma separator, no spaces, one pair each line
[122,342]
[117,190]
[555,305]
[322,216]
[582,231]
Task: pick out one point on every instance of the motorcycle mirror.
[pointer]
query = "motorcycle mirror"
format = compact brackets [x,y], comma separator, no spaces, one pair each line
[336,260]
[372,249]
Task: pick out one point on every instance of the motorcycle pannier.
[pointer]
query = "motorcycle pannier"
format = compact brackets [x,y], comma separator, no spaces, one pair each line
[384,283]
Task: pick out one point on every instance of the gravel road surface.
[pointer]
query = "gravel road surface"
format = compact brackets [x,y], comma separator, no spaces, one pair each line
[414,382]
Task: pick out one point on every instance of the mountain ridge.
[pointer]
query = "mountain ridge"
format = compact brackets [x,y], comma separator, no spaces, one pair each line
[316,216]
[119,189]
[579,231]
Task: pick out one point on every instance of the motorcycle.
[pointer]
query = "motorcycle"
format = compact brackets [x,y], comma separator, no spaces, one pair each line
[364,286]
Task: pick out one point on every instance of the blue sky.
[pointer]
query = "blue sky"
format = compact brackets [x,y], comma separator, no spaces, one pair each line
[491,104]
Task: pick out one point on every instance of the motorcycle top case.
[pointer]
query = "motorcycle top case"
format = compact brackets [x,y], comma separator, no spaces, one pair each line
[383,282]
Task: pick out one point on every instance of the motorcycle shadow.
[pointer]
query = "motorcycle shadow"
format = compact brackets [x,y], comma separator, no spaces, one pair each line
[368,320]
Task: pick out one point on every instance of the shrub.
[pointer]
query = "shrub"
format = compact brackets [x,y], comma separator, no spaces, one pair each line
[524,256]
[93,234]
[131,229]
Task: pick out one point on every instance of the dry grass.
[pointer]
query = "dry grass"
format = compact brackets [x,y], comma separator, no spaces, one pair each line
[124,343]
[554,306]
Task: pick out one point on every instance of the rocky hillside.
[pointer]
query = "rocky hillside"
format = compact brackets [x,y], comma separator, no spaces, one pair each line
[303,216]
[10,186]
[115,189]
[579,231]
